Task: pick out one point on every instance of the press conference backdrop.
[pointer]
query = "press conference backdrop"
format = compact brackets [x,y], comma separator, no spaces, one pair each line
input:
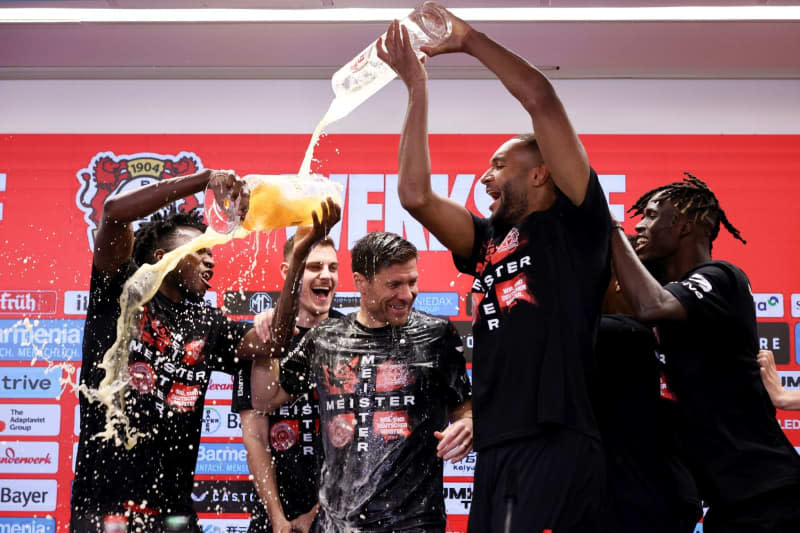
[52,188]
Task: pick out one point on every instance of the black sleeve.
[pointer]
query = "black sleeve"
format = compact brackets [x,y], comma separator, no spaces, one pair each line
[592,218]
[468,265]
[225,336]
[708,294]
[241,398]
[453,367]
[296,378]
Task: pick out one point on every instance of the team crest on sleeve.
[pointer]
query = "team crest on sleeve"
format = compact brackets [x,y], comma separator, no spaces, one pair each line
[698,284]
[108,174]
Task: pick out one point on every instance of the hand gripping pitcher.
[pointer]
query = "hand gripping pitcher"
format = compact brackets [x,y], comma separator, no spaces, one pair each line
[366,74]
[275,202]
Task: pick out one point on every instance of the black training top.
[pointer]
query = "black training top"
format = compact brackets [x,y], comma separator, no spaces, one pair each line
[382,394]
[293,442]
[649,486]
[535,308]
[727,421]
[171,360]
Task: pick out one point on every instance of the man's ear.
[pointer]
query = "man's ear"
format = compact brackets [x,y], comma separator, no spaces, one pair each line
[685,227]
[539,175]
[284,270]
[159,253]
[360,282]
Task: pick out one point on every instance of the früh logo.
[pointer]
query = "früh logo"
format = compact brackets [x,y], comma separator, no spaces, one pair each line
[109,174]
[16,302]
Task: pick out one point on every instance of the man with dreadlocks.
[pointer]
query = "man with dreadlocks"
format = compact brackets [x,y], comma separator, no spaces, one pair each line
[747,471]
[179,342]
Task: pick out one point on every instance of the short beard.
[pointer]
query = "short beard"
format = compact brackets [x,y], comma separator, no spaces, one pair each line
[512,209]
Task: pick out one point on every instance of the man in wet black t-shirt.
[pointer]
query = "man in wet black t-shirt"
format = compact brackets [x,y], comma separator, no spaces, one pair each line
[746,469]
[389,379]
[541,266]
[283,448]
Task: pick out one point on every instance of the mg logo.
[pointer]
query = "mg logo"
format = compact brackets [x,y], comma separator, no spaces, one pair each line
[260,301]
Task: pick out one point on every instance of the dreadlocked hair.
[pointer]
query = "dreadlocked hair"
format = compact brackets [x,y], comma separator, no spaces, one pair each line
[151,234]
[693,198]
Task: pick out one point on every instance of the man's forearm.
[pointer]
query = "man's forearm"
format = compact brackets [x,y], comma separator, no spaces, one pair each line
[255,429]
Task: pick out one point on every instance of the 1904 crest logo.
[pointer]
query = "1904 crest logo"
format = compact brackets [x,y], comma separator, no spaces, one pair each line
[109,174]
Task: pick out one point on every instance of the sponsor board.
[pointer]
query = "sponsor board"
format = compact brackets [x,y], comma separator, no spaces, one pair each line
[438,303]
[210,298]
[790,380]
[768,305]
[220,421]
[457,498]
[775,336]
[464,468]
[51,340]
[28,457]
[223,496]
[465,330]
[77,420]
[796,343]
[76,302]
[29,420]
[28,303]
[223,459]
[74,456]
[248,302]
[230,525]
[220,386]
[30,382]
[28,494]
[27,525]
[789,424]
[347,301]
[796,305]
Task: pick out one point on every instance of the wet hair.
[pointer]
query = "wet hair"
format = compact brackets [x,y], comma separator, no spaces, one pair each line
[154,233]
[378,250]
[288,248]
[693,199]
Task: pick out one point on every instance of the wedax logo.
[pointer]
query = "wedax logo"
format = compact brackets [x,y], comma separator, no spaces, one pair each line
[76,302]
[437,303]
[27,525]
[28,457]
[29,382]
[53,340]
[29,420]
[28,494]
[223,459]
[775,336]
[457,498]
[768,305]
[18,303]
[220,421]
[248,302]
[109,174]
[220,386]
[223,496]
[464,468]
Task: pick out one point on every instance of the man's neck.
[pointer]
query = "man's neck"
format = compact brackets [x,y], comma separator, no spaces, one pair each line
[686,259]
[365,319]
[307,319]
[172,293]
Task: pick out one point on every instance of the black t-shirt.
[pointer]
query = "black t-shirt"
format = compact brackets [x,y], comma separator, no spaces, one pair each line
[177,347]
[649,486]
[727,421]
[293,442]
[535,308]
[382,394]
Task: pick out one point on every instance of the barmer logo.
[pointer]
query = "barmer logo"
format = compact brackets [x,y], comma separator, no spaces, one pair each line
[224,459]
[768,305]
[34,302]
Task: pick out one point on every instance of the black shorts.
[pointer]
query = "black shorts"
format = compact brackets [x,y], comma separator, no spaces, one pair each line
[552,482]
[776,511]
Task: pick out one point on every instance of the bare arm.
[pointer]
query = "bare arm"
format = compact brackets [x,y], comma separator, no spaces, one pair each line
[781,398]
[562,150]
[450,222]
[114,240]
[649,301]
[455,442]
[255,435]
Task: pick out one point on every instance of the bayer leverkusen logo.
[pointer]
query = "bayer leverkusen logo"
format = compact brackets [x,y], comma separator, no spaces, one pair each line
[109,174]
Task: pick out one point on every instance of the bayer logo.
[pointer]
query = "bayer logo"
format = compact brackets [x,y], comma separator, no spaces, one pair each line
[211,420]
[259,302]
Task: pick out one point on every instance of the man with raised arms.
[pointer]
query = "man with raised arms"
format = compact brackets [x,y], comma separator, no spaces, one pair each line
[283,447]
[541,267]
[389,379]
[178,343]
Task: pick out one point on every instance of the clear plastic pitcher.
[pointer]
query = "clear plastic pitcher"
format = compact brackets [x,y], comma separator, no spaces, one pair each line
[366,74]
[275,202]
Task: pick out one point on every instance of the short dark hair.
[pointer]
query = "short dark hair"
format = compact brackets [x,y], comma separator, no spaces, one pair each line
[378,250]
[288,247]
[530,142]
[693,198]
[153,233]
